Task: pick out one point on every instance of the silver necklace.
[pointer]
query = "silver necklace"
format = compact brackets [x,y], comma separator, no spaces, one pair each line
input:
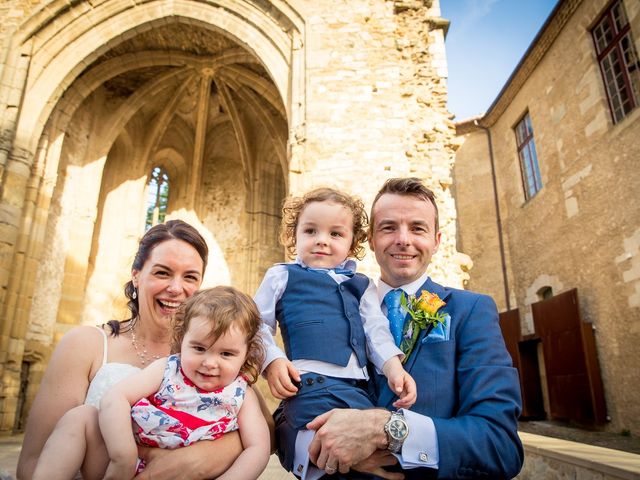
[141,351]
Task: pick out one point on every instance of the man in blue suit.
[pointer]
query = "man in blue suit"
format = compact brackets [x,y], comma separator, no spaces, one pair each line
[464,424]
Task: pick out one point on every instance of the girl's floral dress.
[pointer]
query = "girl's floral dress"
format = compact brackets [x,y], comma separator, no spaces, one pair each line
[180,413]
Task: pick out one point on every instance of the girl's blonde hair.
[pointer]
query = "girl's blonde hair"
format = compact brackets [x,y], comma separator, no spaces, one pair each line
[294,206]
[224,307]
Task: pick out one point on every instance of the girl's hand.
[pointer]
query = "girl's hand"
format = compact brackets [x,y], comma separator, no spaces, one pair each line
[280,372]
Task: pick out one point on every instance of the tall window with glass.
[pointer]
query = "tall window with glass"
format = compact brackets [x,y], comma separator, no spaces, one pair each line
[157,197]
[531,180]
[618,60]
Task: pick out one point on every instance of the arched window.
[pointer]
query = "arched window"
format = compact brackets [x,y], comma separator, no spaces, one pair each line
[157,197]
[545,293]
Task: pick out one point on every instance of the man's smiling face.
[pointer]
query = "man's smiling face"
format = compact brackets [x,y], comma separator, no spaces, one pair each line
[403,237]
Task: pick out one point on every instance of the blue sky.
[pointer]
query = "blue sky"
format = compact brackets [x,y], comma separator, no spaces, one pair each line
[486,40]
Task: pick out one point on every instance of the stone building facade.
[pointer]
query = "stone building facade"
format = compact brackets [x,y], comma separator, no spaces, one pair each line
[237,103]
[574,220]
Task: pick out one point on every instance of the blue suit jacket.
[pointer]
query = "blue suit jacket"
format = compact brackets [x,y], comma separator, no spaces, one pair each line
[467,385]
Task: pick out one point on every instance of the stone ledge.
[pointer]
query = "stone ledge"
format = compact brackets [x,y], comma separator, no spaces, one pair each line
[610,463]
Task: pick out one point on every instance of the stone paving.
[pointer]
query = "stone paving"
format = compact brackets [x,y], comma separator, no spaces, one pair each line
[10,449]
[545,457]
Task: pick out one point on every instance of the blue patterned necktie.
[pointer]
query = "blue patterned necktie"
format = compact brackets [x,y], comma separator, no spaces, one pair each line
[395,314]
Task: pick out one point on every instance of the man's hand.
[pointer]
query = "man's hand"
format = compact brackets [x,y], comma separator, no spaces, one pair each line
[400,383]
[346,437]
[279,375]
[374,464]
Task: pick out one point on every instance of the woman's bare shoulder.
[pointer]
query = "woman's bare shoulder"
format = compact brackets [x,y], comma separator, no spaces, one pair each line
[83,341]
[81,333]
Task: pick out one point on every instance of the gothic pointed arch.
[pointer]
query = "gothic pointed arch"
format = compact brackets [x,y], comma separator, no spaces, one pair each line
[154,84]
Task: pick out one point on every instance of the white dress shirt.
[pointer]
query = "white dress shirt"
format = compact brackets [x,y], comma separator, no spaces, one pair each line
[420,448]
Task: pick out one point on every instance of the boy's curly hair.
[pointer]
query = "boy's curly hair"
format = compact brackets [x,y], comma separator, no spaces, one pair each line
[293,207]
[224,307]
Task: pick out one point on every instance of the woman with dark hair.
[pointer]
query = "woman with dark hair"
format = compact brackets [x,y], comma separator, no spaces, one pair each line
[167,269]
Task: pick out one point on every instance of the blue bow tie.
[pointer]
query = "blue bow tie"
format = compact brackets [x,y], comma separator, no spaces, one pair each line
[337,270]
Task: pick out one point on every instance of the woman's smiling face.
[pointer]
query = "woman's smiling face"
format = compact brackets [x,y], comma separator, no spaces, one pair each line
[171,274]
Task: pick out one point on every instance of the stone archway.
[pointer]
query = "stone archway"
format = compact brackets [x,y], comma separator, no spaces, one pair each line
[298,93]
[197,88]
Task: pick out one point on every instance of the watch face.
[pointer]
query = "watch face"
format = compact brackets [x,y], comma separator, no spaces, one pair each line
[398,429]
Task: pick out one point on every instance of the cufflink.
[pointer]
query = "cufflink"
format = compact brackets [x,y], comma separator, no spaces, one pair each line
[423,457]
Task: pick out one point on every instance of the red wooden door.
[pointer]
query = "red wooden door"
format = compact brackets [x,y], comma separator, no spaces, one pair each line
[525,358]
[570,358]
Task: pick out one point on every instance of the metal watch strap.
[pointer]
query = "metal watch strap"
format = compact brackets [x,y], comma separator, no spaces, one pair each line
[395,444]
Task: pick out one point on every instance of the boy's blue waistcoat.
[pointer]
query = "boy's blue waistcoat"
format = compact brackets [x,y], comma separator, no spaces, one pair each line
[320,319]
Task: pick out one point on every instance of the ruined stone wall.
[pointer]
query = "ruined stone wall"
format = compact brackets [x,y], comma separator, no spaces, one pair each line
[429,137]
[582,229]
[223,208]
[376,107]
[358,86]
[12,14]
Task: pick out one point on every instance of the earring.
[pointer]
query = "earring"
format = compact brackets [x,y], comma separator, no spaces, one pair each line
[134,295]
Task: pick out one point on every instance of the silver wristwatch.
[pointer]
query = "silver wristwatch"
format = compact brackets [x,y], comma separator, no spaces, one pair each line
[397,431]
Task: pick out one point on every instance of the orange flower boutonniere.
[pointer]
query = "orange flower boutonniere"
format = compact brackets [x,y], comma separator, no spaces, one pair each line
[424,311]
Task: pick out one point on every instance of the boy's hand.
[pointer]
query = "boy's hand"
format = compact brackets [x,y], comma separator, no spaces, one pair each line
[400,383]
[280,372]
[408,390]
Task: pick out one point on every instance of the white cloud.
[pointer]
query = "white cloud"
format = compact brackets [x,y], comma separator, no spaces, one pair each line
[474,11]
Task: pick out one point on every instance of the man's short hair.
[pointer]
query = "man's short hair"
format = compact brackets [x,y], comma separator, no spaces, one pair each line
[410,186]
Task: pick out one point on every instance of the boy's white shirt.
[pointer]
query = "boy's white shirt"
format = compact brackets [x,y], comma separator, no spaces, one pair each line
[380,344]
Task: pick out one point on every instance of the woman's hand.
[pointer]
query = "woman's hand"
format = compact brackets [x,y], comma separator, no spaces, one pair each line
[120,471]
[201,460]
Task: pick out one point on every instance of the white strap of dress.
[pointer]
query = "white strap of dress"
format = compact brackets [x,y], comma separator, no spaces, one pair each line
[104,347]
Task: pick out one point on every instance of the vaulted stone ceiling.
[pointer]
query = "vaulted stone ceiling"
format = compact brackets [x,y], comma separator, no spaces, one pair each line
[184,81]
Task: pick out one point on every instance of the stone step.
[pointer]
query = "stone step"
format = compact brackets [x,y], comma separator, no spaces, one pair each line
[553,458]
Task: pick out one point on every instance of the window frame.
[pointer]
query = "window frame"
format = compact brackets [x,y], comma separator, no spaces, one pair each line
[615,47]
[526,143]
[156,211]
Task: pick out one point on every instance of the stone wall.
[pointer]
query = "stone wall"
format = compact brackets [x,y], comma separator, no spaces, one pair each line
[376,107]
[241,103]
[581,229]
